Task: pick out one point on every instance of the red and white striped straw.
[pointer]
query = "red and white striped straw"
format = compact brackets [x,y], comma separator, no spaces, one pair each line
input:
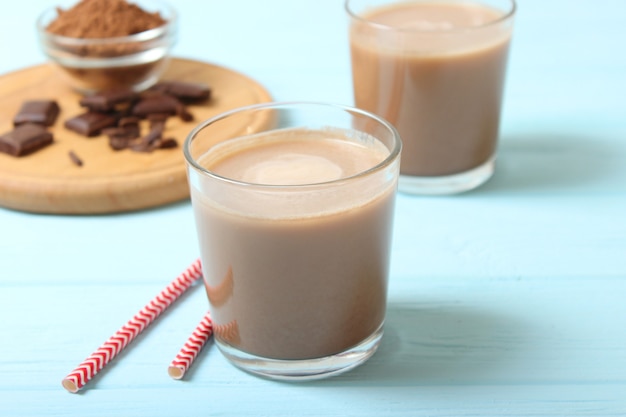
[77,379]
[192,347]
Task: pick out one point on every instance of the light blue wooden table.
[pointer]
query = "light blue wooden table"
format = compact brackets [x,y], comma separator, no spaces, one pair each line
[510,300]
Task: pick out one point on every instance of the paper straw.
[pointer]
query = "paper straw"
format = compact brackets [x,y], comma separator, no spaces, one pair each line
[192,347]
[82,374]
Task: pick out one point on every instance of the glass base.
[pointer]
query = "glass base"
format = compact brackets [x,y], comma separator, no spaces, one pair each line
[305,369]
[449,184]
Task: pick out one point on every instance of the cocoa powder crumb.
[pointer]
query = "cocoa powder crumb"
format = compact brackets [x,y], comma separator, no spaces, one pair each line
[103,19]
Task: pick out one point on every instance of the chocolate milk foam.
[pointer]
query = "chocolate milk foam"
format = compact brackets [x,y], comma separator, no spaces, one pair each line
[303,273]
[442,91]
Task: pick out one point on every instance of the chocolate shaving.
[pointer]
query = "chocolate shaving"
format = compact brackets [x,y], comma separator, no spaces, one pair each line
[75,159]
[153,135]
[168,143]
[185,115]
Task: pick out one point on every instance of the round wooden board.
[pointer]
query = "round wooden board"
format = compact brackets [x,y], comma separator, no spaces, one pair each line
[109,181]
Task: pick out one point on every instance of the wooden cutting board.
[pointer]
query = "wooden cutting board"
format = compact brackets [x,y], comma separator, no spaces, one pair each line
[109,181]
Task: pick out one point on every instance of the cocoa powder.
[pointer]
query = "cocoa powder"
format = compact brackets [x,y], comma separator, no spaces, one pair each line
[104,29]
[90,19]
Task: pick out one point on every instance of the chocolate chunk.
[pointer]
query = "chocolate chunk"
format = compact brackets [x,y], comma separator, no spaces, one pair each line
[126,132]
[121,137]
[158,103]
[25,139]
[158,117]
[117,143]
[43,112]
[185,91]
[127,127]
[90,123]
[154,135]
[144,147]
[107,100]
[151,141]
[75,159]
[128,121]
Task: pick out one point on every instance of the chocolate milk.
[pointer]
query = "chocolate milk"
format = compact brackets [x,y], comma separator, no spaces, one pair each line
[442,91]
[295,274]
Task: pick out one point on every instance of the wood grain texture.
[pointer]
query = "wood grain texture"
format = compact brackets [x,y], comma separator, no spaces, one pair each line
[109,181]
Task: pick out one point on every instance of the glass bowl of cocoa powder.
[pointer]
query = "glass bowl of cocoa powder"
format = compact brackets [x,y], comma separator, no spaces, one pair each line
[101,45]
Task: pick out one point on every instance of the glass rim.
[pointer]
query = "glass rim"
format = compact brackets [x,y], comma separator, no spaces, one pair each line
[394,152]
[356,16]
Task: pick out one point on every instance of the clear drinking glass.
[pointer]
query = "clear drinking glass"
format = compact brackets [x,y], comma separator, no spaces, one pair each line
[294,207]
[436,70]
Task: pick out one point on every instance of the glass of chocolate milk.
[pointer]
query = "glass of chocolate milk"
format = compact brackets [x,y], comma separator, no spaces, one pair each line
[294,207]
[436,70]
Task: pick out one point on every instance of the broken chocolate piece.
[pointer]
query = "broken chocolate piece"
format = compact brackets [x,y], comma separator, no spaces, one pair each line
[117,143]
[157,103]
[154,135]
[157,120]
[107,100]
[153,140]
[127,132]
[127,127]
[25,139]
[128,121]
[42,112]
[145,147]
[185,91]
[90,123]
[158,117]
[121,137]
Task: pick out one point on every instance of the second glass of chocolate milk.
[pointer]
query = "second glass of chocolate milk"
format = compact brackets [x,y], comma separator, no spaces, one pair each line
[436,70]
[294,206]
